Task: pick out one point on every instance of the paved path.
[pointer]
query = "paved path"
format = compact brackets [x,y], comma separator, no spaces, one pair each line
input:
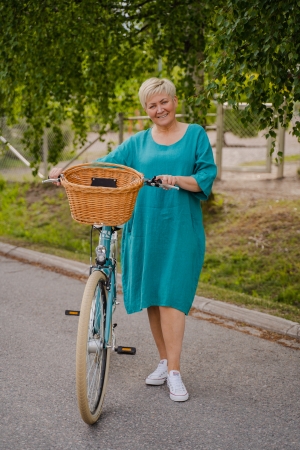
[202,307]
[244,391]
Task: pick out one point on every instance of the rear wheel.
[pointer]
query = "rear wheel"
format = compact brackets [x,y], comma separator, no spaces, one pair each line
[92,359]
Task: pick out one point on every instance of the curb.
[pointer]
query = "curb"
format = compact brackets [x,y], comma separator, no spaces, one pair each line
[208,306]
[250,317]
[44,259]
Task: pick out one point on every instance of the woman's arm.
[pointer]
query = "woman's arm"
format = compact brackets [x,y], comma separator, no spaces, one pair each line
[187,183]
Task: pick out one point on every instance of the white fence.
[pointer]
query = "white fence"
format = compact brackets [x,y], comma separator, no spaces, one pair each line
[229,134]
[237,147]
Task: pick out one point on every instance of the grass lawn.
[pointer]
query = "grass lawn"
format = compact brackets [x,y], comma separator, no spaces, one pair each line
[253,248]
[287,159]
[253,254]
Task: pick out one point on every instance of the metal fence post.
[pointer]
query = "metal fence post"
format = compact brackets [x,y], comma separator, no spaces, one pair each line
[269,156]
[121,127]
[281,148]
[45,153]
[219,140]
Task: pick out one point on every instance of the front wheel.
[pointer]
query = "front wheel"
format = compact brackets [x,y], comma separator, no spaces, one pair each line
[92,359]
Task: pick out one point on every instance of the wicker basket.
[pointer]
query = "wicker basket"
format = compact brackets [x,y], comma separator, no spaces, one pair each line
[101,205]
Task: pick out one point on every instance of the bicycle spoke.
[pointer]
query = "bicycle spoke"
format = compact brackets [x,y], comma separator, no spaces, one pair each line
[90,390]
[94,356]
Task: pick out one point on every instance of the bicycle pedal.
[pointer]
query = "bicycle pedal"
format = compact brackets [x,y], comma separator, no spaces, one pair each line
[69,312]
[126,350]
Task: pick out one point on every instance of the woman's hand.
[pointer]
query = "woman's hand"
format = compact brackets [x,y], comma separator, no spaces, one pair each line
[167,179]
[187,183]
[54,173]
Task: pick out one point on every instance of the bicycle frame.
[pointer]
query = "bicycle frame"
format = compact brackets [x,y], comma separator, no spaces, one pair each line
[109,267]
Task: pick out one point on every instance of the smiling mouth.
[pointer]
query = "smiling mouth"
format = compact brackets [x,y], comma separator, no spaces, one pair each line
[161,117]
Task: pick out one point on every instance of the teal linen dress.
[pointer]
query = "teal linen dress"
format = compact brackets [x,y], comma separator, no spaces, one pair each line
[163,243]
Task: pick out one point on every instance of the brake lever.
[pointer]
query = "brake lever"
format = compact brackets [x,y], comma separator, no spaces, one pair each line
[155,182]
[159,184]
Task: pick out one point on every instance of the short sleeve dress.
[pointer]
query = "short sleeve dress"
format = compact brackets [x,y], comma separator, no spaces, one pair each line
[163,243]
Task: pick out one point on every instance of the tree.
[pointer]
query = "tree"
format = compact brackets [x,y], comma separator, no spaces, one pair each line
[255,57]
[79,59]
[174,31]
[58,58]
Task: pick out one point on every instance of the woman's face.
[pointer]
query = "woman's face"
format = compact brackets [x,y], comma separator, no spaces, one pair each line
[161,109]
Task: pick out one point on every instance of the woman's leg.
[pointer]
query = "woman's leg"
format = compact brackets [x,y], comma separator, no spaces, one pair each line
[172,323]
[167,326]
[155,325]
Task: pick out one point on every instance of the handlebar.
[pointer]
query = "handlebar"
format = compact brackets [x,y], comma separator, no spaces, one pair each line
[147,182]
[52,180]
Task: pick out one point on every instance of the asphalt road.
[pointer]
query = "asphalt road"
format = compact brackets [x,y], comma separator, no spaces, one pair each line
[244,391]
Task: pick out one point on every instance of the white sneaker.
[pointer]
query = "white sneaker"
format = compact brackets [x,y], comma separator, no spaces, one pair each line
[178,392]
[159,375]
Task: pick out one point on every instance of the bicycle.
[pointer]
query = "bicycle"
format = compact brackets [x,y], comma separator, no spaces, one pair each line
[96,333]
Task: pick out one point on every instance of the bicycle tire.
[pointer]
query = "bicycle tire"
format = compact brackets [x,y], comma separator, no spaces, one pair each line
[92,360]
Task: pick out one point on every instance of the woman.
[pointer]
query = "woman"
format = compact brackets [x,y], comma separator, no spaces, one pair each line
[164,242]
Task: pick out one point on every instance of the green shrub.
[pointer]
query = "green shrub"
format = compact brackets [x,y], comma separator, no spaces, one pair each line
[2,184]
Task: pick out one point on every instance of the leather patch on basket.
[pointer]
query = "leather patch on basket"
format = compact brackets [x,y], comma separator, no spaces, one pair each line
[104,182]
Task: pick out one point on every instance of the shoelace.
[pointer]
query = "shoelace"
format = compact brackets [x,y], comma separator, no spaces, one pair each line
[176,384]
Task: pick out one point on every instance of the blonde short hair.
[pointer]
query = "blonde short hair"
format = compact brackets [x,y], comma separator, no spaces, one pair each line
[154,86]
